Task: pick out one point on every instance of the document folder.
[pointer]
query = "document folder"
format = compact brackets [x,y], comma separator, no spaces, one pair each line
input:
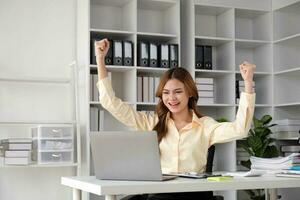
[173,55]
[143,54]
[109,55]
[127,53]
[199,57]
[117,52]
[164,55]
[153,54]
[207,57]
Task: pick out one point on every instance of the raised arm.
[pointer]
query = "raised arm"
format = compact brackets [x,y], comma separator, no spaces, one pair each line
[228,131]
[101,49]
[119,109]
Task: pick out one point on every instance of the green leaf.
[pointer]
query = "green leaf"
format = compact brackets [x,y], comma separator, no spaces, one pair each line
[266,119]
[255,143]
[271,125]
[259,131]
[266,132]
[271,152]
[257,123]
[246,148]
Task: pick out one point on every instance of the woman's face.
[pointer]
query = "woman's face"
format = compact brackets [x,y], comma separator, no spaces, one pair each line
[175,96]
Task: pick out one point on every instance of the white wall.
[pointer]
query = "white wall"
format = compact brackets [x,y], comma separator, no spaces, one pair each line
[37,39]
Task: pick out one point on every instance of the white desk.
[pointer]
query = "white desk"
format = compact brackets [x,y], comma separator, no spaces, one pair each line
[112,188]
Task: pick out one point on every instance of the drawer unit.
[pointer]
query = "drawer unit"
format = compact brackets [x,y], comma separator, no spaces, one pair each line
[55,157]
[44,131]
[53,144]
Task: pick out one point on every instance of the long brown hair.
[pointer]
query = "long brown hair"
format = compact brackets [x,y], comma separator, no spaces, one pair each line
[185,77]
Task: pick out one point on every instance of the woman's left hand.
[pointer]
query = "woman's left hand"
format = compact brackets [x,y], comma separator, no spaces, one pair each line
[247,71]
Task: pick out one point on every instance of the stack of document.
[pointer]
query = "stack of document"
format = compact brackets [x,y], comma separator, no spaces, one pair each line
[278,163]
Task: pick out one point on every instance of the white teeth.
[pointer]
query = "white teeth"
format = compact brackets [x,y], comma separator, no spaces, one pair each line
[173,104]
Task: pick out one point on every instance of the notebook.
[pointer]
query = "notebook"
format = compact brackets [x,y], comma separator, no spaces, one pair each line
[127,155]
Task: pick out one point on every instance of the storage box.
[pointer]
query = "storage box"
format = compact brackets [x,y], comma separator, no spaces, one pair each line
[47,131]
[53,144]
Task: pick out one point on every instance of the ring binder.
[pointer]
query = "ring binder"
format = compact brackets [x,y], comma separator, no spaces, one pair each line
[207,57]
[164,55]
[143,54]
[199,57]
[117,52]
[173,55]
[153,54]
[127,53]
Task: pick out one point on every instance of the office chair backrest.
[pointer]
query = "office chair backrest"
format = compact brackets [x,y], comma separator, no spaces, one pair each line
[210,159]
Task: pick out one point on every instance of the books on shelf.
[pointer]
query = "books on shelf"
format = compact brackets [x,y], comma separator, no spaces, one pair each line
[96,119]
[17,160]
[287,128]
[205,87]
[290,148]
[17,151]
[146,88]
[21,154]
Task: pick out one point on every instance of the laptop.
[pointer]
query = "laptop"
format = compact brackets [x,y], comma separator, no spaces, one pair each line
[127,155]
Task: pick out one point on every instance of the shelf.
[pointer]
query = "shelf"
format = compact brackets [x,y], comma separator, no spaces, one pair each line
[155,36]
[115,68]
[111,32]
[260,105]
[212,73]
[158,16]
[254,51]
[253,24]
[256,74]
[119,12]
[289,72]
[287,104]
[286,21]
[97,103]
[113,35]
[218,21]
[243,43]
[222,52]
[286,53]
[36,122]
[153,70]
[146,103]
[216,105]
[289,39]
[212,41]
[36,80]
[40,165]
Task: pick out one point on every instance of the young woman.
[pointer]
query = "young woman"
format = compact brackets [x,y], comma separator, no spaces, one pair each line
[184,135]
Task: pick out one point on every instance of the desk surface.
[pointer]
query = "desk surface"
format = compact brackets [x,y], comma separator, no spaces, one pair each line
[108,187]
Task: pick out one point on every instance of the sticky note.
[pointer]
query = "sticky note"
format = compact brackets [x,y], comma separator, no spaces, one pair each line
[220,178]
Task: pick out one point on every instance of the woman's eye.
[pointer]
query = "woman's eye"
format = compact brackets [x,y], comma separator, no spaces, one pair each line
[178,92]
[165,93]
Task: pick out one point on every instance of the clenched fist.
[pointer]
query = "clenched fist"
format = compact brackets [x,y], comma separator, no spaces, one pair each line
[247,71]
[101,49]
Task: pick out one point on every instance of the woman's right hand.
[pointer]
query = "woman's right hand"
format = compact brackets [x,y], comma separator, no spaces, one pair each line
[101,49]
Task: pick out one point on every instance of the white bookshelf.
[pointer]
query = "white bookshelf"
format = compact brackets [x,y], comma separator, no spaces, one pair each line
[236,30]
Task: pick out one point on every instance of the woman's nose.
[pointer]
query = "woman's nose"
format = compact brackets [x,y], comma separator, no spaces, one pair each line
[172,96]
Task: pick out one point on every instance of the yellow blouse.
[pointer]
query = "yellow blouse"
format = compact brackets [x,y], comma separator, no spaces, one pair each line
[184,150]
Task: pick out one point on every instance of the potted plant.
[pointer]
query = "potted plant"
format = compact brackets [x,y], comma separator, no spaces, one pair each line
[260,144]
